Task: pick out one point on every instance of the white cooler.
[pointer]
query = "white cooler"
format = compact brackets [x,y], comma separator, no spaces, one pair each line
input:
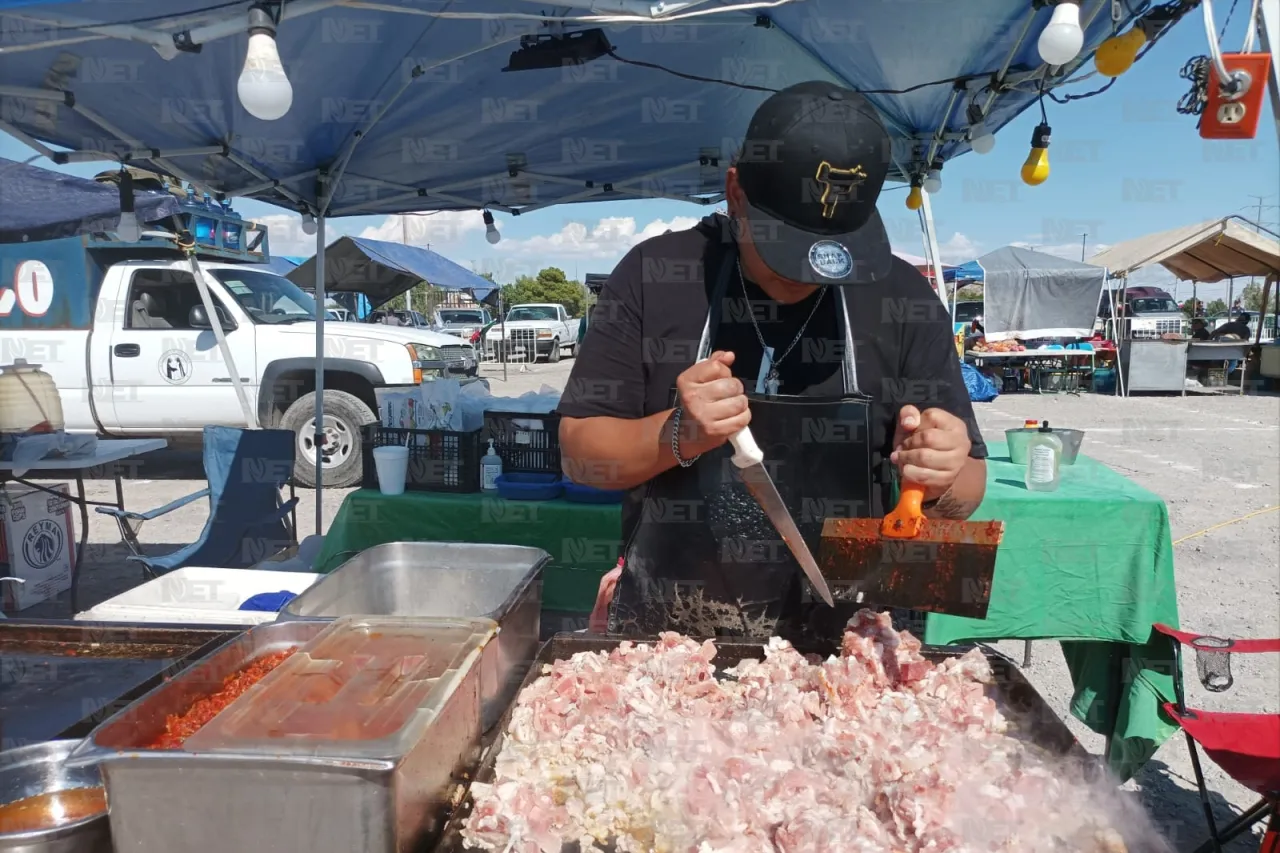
[199,596]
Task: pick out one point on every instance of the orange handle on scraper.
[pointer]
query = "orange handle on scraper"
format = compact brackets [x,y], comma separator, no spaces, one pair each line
[906,521]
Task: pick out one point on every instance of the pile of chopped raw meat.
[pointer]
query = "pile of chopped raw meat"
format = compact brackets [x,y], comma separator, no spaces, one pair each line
[877,750]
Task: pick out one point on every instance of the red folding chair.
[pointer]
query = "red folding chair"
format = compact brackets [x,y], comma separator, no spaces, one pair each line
[1245,746]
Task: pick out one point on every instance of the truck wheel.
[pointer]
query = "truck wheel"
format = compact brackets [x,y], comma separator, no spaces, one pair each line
[554,355]
[344,415]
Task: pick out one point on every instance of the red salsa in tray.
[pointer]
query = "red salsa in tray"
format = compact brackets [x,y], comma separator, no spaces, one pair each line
[179,727]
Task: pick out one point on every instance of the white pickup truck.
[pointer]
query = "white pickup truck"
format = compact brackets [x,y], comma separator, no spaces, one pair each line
[130,346]
[533,331]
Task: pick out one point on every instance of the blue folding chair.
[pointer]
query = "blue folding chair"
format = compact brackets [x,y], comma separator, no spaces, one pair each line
[248,519]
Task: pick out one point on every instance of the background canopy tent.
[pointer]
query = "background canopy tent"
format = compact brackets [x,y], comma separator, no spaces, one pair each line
[281,265]
[1207,252]
[406,107]
[37,204]
[382,271]
[1034,295]
[970,271]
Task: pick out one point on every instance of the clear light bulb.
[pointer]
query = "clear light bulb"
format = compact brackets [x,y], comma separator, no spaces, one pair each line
[128,228]
[981,140]
[1061,40]
[490,230]
[914,198]
[308,224]
[933,180]
[263,87]
[1117,54]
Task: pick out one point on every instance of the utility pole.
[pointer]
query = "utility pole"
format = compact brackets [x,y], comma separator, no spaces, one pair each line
[1257,225]
[1084,238]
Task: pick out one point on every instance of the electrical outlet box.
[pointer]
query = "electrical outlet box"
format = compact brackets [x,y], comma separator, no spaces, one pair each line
[1236,117]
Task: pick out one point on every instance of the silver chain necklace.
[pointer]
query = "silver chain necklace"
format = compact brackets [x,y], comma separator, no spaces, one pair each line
[771,381]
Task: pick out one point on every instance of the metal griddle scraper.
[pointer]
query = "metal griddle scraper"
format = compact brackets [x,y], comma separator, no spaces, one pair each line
[907,560]
[750,463]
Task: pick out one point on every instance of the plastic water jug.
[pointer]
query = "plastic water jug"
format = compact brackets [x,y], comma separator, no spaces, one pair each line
[29,400]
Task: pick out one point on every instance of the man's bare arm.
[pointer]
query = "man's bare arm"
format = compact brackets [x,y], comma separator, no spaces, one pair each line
[616,453]
[966,493]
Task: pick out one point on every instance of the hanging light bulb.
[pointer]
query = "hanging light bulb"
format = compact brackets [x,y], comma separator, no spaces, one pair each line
[981,140]
[490,230]
[1035,170]
[915,198]
[933,180]
[1117,54]
[263,87]
[308,223]
[128,229]
[1061,40]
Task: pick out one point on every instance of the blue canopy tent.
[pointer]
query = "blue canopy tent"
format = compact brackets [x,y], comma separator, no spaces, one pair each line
[382,271]
[405,107]
[969,271]
[38,204]
[280,265]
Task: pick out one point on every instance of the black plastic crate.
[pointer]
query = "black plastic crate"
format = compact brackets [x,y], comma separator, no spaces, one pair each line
[440,460]
[524,450]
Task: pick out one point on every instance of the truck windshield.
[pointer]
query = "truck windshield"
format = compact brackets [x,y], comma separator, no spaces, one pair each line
[532,312]
[267,298]
[1153,305]
[475,317]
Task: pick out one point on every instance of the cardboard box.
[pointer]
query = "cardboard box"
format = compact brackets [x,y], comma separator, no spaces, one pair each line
[37,541]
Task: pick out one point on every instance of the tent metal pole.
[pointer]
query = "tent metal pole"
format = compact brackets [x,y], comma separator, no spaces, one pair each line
[931,240]
[215,324]
[1269,35]
[318,438]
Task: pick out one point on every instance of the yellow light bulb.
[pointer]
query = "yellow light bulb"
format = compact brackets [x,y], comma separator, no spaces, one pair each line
[914,199]
[1116,55]
[1035,171]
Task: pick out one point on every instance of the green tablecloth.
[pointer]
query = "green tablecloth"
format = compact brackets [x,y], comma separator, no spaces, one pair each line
[582,539]
[1090,564]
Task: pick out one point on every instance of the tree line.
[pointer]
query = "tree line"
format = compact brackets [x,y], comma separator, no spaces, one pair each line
[550,285]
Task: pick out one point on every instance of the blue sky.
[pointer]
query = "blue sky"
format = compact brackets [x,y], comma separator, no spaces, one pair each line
[1124,164]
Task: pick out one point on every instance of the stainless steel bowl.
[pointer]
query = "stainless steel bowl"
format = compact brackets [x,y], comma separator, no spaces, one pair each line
[29,771]
[1017,442]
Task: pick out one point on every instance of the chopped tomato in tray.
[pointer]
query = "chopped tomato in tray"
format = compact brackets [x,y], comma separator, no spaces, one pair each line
[179,727]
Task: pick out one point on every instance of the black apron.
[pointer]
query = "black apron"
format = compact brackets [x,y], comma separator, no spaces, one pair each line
[706,561]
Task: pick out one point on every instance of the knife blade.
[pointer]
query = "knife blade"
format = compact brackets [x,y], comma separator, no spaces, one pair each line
[750,463]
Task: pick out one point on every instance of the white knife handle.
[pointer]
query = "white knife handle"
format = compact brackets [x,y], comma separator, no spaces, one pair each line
[745,450]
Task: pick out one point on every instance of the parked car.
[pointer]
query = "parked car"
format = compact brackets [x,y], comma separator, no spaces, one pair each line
[461,322]
[1145,312]
[546,327]
[132,350]
[967,312]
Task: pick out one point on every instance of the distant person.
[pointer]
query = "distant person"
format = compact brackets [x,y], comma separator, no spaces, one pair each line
[1199,331]
[1234,329]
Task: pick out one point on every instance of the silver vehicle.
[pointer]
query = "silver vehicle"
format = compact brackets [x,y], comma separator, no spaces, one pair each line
[461,322]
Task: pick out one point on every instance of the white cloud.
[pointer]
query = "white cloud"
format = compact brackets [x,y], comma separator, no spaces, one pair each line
[609,239]
[284,235]
[445,228]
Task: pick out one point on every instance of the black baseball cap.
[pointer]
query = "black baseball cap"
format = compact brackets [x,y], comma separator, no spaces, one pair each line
[812,163]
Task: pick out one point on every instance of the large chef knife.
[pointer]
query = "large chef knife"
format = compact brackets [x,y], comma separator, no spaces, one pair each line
[750,462]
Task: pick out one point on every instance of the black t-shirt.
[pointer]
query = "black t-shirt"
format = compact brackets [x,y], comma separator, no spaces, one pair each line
[647,325]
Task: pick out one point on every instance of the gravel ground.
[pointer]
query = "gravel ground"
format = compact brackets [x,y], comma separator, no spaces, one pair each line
[1213,459]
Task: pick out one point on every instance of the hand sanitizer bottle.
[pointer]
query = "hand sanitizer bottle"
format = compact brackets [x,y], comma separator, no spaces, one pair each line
[490,468]
[1044,452]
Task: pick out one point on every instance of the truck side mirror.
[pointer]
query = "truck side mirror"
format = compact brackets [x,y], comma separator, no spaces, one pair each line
[199,318]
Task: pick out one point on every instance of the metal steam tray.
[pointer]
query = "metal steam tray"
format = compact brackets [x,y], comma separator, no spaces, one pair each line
[444,579]
[353,743]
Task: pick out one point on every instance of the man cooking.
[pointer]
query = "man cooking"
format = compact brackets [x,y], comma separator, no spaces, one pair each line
[789,314]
